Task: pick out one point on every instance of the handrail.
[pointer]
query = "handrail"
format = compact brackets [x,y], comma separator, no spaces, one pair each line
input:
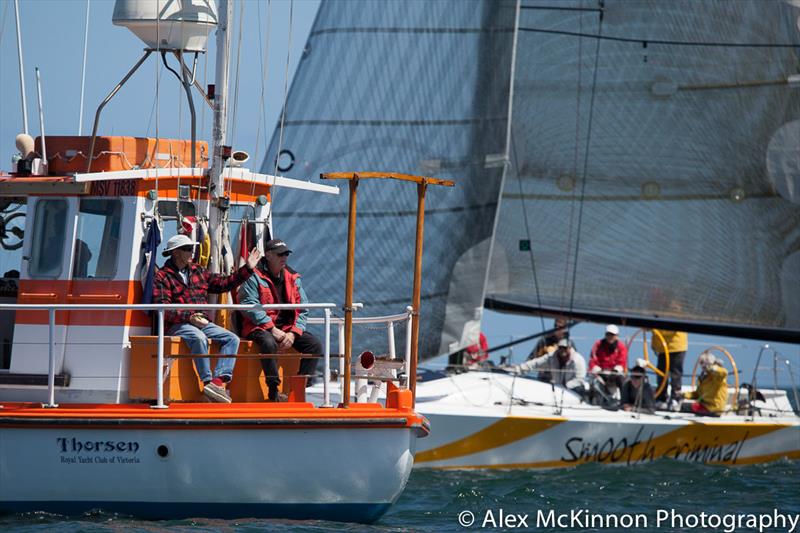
[326,321]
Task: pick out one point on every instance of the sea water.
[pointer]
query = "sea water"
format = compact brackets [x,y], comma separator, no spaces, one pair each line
[660,497]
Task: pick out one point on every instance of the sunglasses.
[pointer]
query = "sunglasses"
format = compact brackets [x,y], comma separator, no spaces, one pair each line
[636,377]
[187,248]
[284,254]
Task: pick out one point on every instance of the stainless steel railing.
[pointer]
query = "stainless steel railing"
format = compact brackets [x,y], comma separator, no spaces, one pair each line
[326,321]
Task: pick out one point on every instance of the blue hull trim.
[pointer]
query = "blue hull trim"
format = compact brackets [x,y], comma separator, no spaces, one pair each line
[339,512]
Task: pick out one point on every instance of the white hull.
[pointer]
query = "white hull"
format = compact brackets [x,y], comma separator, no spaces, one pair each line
[474,426]
[258,472]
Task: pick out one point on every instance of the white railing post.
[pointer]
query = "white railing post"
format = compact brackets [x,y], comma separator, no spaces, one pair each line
[392,354]
[51,369]
[160,362]
[410,311]
[341,361]
[326,372]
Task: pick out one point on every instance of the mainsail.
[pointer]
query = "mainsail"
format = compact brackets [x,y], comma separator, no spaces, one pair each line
[655,165]
[414,87]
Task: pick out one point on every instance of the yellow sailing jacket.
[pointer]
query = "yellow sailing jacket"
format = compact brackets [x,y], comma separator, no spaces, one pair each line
[712,390]
[677,341]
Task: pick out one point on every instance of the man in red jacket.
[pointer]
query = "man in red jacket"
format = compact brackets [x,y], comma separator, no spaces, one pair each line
[181,281]
[274,282]
[609,357]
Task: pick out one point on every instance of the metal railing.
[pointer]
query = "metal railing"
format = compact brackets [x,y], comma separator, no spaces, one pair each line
[326,321]
[389,320]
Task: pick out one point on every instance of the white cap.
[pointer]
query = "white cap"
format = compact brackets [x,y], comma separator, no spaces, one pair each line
[611,328]
[564,343]
[177,241]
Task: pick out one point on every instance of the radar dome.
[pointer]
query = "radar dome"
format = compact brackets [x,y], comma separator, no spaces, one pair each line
[168,24]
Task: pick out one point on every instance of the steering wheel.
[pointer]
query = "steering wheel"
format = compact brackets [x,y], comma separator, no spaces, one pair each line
[650,365]
[16,231]
[735,398]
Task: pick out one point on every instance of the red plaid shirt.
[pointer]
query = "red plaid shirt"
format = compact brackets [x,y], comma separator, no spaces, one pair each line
[169,288]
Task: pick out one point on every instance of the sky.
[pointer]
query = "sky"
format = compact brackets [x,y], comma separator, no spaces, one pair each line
[52,40]
[53,34]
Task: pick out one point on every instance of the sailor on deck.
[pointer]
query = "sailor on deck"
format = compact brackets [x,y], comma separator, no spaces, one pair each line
[609,358]
[711,394]
[181,281]
[565,365]
[274,282]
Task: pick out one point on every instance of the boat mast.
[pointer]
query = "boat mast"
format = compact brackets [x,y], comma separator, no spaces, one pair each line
[217,204]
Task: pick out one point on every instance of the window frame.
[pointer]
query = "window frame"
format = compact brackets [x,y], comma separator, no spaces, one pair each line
[113,273]
[34,240]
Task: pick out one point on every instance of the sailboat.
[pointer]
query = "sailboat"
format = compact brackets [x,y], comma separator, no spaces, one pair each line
[626,162]
[99,407]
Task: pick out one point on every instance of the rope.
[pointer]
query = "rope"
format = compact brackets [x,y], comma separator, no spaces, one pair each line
[585,166]
[285,96]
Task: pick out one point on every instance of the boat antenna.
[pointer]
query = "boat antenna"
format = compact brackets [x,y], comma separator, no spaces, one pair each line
[220,153]
[41,119]
[21,72]
[83,69]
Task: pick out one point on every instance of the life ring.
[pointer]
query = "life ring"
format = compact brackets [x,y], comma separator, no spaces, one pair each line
[665,374]
[735,398]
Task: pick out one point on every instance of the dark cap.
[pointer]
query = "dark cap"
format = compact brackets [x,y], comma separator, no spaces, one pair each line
[277,246]
[637,370]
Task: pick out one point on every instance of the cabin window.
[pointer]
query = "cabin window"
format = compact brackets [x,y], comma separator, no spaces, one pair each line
[237,213]
[97,242]
[169,227]
[49,231]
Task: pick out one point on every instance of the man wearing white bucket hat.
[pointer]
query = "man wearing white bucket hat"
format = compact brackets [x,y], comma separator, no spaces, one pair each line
[181,281]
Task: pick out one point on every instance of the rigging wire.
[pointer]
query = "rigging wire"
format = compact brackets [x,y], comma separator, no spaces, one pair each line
[264,58]
[205,79]
[83,69]
[527,230]
[233,122]
[585,165]
[283,107]
[563,297]
[159,71]
[644,41]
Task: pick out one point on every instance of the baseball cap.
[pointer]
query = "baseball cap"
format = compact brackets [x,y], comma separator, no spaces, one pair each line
[277,246]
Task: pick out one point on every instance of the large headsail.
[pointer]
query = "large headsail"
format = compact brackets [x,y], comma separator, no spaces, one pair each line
[655,165]
[414,87]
